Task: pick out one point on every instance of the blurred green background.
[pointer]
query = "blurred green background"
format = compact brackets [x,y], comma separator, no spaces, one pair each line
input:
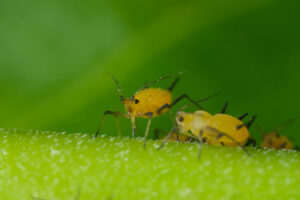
[55,55]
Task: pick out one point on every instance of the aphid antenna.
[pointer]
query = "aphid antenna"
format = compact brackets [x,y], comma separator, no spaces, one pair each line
[119,88]
[285,124]
[147,85]
[174,129]
[173,84]
[198,101]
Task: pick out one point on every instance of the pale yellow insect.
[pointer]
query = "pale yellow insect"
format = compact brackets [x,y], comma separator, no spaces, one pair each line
[218,129]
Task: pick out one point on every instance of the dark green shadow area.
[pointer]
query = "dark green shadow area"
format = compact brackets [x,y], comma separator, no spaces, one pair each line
[54,57]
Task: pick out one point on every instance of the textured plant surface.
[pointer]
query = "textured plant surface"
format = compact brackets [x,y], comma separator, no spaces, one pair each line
[52,165]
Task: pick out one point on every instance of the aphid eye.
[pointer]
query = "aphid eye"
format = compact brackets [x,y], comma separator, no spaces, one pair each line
[136,101]
[180,119]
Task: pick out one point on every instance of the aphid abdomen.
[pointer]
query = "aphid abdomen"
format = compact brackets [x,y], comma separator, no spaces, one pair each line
[228,124]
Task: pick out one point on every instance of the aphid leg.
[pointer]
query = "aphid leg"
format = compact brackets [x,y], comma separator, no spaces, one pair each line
[198,101]
[164,107]
[133,125]
[149,114]
[172,104]
[200,143]
[174,129]
[221,134]
[176,101]
[118,126]
[250,141]
[224,107]
[173,122]
[283,145]
[173,84]
[188,98]
[109,113]
[242,116]
[248,124]
[157,131]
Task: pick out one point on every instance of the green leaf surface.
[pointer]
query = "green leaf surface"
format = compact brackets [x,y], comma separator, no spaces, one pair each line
[52,165]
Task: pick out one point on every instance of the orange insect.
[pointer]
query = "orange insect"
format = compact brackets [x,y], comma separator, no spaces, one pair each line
[273,140]
[219,129]
[147,103]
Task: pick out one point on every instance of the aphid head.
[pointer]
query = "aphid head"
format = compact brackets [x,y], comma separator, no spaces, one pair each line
[183,121]
[130,104]
[201,119]
[133,103]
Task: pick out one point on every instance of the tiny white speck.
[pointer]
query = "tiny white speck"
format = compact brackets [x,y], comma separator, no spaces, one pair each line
[54,152]
[4,152]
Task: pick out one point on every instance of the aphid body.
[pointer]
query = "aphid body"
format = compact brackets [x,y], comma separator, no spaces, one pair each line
[147,103]
[275,141]
[219,129]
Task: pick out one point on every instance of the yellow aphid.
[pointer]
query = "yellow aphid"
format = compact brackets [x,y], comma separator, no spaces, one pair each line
[146,103]
[273,140]
[220,129]
[149,100]
[276,141]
